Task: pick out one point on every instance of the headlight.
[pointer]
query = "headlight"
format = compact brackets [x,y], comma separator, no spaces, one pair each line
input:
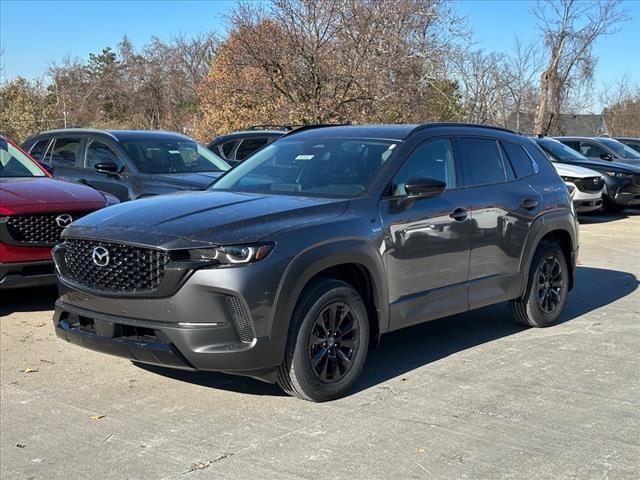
[232,255]
[618,174]
[568,179]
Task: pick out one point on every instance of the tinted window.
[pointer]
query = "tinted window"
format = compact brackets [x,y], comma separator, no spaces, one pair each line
[591,149]
[172,156]
[65,151]
[39,149]
[482,161]
[14,163]
[621,149]
[334,167]
[99,152]
[559,150]
[226,148]
[248,146]
[519,159]
[432,159]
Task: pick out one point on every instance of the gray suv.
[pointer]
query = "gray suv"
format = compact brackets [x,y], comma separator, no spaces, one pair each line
[294,263]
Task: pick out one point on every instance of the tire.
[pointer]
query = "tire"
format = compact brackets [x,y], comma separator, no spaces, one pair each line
[533,309]
[306,360]
[610,206]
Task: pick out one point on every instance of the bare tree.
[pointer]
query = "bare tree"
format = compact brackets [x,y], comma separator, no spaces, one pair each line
[621,107]
[570,28]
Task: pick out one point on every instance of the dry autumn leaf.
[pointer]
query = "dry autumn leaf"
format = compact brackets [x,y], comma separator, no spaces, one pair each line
[97,417]
[29,370]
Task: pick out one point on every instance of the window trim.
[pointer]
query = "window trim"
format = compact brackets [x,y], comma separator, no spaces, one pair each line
[533,163]
[385,196]
[43,158]
[78,162]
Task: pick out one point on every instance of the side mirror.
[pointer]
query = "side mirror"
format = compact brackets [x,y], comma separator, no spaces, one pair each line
[107,167]
[424,187]
[606,156]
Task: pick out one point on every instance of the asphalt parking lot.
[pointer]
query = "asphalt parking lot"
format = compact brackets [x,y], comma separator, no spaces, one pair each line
[471,396]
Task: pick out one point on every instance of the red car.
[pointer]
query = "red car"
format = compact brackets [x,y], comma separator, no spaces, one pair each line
[34,209]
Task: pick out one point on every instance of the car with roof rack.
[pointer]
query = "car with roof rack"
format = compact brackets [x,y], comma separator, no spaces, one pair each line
[294,263]
[34,210]
[129,164]
[621,180]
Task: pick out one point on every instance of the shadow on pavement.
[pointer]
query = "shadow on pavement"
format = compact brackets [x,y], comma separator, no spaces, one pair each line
[605,217]
[34,299]
[411,348]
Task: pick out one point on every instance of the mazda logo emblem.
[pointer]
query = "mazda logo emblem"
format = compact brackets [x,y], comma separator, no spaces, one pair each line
[596,181]
[100,256]
[64,220]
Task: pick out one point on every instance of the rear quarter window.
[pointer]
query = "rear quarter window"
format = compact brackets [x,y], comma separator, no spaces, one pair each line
[519,159]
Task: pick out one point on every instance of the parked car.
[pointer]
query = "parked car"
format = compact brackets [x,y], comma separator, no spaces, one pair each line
[630,142]
[602,148]
[296,261]
[34,209]
[622,180]
[234,147]
[127,164]
[588,186]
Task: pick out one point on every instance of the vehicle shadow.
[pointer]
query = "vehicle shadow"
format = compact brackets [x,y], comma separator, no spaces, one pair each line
[411,348]
[605,217]
[35,299]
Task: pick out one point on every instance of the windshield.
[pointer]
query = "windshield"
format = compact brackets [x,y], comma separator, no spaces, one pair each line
[561,151]
[172,156]
[620,148]
[330,167]
[14,163]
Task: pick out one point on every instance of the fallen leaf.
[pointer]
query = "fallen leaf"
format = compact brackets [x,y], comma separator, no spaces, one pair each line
[29,370]
[44,360]
[199,466]
[41,324]
[419,450]
[20,445]
[97,417]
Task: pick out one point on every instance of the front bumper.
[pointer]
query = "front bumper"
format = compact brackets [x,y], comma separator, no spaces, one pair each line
[26,274]
[583,206]
[217,320]
[624,192]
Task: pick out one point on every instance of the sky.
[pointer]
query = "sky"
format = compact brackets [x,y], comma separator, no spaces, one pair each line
[35,34]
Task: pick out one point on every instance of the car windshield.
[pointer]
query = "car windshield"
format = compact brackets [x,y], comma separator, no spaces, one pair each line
[561,151]
[621,149]
[14,163]
[324,167]
[172,156]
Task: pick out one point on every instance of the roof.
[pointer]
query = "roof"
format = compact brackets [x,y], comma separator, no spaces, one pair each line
[579,124]
[388,132]
[120,134]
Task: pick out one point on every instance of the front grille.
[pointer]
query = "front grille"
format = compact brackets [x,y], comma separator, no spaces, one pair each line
[240,318]
[128,269]
[589,184]
[39,229]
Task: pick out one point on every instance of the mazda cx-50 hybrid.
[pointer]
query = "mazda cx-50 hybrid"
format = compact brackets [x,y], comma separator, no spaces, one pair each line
[296,261]
[34,209]
[129,164]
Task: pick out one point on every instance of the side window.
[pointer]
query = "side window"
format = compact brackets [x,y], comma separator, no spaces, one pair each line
[432,159]
[99,152]
[66,151]
[520,160]
[39,149]
[226,148]
[590,149]
[250,145]
[482,161]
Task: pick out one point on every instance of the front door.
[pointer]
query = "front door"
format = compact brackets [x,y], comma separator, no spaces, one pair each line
[114,183]
[427,241]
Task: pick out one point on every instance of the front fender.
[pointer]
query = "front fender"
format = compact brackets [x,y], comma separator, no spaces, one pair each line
[312,261]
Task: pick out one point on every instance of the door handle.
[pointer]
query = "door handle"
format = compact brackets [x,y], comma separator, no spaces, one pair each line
[459,214]
[529,204]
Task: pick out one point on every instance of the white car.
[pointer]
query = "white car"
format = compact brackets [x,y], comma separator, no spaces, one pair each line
[588,185]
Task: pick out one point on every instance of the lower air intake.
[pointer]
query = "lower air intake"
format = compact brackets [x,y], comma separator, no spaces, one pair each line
[240,318]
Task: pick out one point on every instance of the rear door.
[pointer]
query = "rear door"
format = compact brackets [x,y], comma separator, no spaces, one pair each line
[427,240]
[503,206]
[65,157]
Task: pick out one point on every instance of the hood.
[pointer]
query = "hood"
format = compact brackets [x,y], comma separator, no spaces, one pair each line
[565,170]
[192,181]
[42,195]
[604,164]
[191,219]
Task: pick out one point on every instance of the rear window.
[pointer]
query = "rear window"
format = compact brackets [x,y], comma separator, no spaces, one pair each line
[249,145]
[482,161]
[519,159]
[66,151]
[39,149]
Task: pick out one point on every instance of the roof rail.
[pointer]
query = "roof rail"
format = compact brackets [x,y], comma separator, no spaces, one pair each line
[459,124]
[313,126]
[79,130]
[272,127]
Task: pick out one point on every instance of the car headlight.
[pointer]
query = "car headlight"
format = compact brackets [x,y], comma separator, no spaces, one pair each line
[618,174]
[568,179]
[231,255]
